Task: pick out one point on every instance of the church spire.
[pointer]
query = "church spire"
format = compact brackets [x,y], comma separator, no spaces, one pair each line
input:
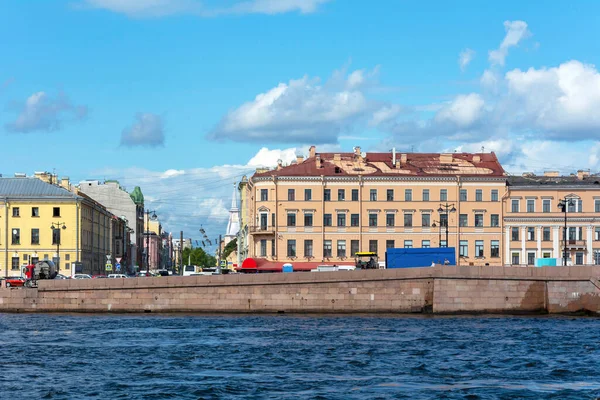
[233,226]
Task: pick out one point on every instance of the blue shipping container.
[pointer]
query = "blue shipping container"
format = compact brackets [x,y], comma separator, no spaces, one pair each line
[419,257]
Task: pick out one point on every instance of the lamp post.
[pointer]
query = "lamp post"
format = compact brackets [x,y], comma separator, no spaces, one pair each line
[56,227]
[439,225]
[444,210]
[564,205]
[148,217]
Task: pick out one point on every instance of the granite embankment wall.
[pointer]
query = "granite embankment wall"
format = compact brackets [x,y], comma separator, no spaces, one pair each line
[433,289]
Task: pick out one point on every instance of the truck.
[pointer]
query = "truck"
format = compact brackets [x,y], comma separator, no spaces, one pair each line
[44,269]
[419,257]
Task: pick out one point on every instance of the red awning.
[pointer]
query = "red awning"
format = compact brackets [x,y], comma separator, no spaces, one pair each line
[249,263]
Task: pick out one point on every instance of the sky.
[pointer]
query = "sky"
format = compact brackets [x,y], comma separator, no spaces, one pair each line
[184,97]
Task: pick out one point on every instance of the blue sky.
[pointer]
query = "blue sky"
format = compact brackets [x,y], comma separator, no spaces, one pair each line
[183,98]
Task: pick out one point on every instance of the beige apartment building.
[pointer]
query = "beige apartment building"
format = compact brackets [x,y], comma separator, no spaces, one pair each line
[327,207]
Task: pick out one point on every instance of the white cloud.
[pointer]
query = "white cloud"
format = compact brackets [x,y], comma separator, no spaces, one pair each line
[463,111]
[465,57]
[148,130]
[515,32]
[269,158]
[41,112]
[385,114]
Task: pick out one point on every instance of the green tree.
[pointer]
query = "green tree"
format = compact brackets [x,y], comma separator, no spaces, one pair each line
[199,257]
[230,248]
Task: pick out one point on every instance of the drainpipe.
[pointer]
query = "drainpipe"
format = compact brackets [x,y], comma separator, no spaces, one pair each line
[5,236]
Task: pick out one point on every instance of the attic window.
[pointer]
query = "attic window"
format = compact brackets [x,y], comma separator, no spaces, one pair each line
[358,169]
[338,170]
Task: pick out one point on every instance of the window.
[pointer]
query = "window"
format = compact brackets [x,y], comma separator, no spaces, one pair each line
[479,220]
[425,244]
[373,195]
[35,211]
[354,194]
[408,244]
[514,205]
[463,220]
[341,219]
[35,236]
[327,195]
[25,257]
[16,236]
[15,263]
[596,206]
[515,234]
[546,205]
[308,220]
[478,195]
[264,194]
[373,246]
[443,243]
[515,258]
[578,258]
[353,247]
[463,249]
[530,233]
[307,194]
[341,248]
[372,219]
[530,205]
[495,248]
[291,194]
[327,248]
[546,234]
[390,195]
[263,221]
[425,220]
[494,220]
[273,247]
[55,236]
[443,194]
[291,219]
[444,220]
[530,258]
[479,248]
[390,220]
[597,233]
[408,220]
[291,248]
[389,244]
[494,194]
[425,194]
[263,248]
[463,194]
[354,219]
[408,195]
[341,195]
[326,219]
[572,206]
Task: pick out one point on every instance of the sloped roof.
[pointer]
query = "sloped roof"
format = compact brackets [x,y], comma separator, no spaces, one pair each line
[32,188]
[555,181]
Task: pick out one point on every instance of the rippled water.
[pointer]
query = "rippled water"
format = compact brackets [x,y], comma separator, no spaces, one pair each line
[295,357]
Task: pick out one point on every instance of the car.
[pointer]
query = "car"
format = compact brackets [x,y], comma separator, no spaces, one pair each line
[14,281]
[82,276]
[114,276]
[98,276]
[61,276]
[143,273]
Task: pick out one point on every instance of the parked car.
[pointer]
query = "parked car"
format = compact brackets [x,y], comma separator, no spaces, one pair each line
[61,276]
[117,276]
[82,276]
[98,276]
[14,281]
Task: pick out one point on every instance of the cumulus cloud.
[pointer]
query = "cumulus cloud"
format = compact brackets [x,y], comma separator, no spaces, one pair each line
[465,57]
[516,31]
[148,130]
[41,112]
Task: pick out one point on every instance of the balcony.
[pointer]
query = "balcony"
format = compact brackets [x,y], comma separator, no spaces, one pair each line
[575,244]
[261,230]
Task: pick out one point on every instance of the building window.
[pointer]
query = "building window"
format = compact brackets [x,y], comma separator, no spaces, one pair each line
[515,259]
[479,220]
[572,206]
[443,194]
[390,220]
[597,233]
[308,248]
[578,258]
[546,205]
[15,263]
[354,194]
[16,236]
[408,195]
[291,220]
[372,219]
[463,249]
[341,248]
[264,194]
[515,234]
[35,236]
[327,195]
[373,195]
[425,220]
[307,194]
[479,248]
[35,211]
[531,234]
[341,219]
[272,247]
[389,244]
[546,234]
[327,248]
[514,205]
[263,248]
[463,194]
[308,220]
[390,195]
[443,243]
[16,212]
[67,257]
[291,248]
[353,247]
[478,195]
[341,195]
[530,258]
[408,244]
[373,246]
[494,220]
[326,219]
[463,220]
[494,194]
[425,244]
[530,205]
[425,194]
[408,220]
[495,249]
[291,194]
[596,206]
[354,219]
[444,220]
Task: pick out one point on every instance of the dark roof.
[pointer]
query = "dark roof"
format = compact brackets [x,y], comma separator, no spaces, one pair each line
[381,164]
[32,187]
[571,180]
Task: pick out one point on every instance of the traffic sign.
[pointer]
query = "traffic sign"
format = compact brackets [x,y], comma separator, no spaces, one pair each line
[109,267]
[118,267]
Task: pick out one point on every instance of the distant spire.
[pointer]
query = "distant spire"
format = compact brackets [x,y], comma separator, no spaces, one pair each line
[233,226]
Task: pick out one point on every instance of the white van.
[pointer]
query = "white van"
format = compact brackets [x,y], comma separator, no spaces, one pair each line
[117,276]
[189,270]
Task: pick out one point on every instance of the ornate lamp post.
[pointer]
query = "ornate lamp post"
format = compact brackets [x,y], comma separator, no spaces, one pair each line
[56,227]
[564,205]
[439,225]
[444,210]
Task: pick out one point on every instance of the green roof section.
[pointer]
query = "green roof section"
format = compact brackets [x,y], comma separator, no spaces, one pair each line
[137,196]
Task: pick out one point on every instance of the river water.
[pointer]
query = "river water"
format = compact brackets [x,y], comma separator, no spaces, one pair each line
[50,356]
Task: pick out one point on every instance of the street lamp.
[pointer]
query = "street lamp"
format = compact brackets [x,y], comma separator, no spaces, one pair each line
[564,205]
[56,227]
[433,225]
[148,217]
[444,210]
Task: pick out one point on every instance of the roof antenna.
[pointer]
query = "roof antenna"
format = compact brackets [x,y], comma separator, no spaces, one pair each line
[482,149]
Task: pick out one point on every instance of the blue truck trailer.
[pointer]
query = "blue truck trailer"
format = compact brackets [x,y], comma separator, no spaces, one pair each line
[419,257]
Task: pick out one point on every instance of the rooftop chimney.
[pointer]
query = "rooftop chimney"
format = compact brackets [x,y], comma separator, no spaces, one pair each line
[393,156]
[337,157]
[318,161]
[299,159]
[357,150]
[582,174]
[64,182]
[476,158]
[553,174]
[403,158]
[312,151]
[279,165]
[446,158]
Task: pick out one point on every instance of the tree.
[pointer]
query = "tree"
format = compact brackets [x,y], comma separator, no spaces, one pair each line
[230,248]
[199,257]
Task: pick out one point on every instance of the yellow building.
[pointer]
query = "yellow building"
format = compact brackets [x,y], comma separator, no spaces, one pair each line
[41,220]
